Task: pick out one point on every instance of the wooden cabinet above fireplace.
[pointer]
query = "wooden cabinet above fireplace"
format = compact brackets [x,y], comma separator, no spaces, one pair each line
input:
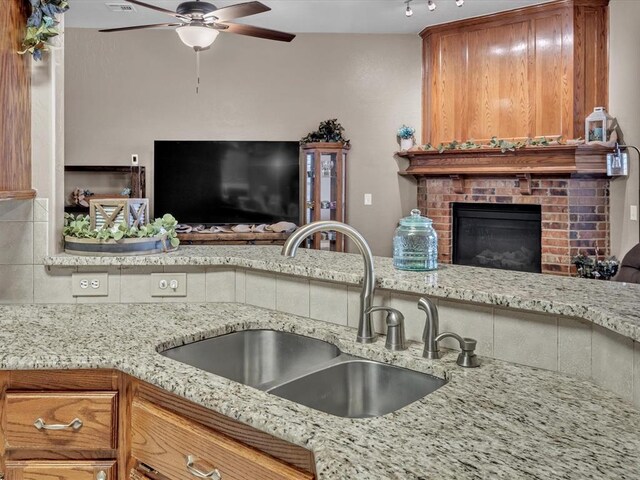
[535,71]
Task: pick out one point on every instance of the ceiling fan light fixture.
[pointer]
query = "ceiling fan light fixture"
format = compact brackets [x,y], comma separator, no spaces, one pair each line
[431,5]
[197,36]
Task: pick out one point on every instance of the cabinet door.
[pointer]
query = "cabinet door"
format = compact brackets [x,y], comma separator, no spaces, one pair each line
[63,470]
[181,449]
[60,420]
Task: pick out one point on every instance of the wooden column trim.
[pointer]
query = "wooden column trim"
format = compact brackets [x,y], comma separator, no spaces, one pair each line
[524,180]
[457,183]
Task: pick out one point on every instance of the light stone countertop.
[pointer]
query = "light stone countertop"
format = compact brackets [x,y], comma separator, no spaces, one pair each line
[612,305]
[498,421]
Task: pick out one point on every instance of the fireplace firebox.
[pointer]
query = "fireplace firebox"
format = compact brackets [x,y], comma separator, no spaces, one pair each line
[504,236]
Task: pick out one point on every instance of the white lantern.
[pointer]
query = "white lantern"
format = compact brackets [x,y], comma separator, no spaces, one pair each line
[597,126]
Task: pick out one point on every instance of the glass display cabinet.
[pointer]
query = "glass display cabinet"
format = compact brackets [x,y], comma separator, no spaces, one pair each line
[324,167]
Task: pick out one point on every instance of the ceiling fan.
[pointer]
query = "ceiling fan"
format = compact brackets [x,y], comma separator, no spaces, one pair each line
[199,22]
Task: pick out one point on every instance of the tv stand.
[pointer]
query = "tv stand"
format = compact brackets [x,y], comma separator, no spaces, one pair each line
[251,238]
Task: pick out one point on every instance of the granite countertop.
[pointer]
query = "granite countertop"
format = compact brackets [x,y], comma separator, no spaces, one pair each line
[612,305]
[497,421]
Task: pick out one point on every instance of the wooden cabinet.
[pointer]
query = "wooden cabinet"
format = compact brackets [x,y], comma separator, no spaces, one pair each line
[324,191]
[179,448]
[61,420]
[535,71]
[130,430]
[60,470]
[62,424]
[15,104]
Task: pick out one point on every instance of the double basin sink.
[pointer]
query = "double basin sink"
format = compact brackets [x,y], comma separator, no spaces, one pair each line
[308,371]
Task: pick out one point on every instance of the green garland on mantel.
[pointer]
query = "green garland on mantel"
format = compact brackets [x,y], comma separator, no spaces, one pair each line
[495,142]
[42,25]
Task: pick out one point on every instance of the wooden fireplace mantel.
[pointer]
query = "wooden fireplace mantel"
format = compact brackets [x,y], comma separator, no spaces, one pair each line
[551,160]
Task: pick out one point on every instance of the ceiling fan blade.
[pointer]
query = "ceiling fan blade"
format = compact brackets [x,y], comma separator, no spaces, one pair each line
[236,11]
[158,9]
[138,27]
[259,32]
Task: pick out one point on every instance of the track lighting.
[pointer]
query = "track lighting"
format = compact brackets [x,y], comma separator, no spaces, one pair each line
[408,12]
[431,5]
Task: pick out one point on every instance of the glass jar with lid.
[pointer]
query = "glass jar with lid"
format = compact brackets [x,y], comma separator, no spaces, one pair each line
[415,244]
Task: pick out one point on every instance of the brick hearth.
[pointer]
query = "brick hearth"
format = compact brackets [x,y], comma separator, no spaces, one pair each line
[575,212]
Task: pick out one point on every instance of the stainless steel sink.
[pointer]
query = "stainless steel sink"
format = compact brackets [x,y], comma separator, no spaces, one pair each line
[359,388]
[308,371]
[256,357]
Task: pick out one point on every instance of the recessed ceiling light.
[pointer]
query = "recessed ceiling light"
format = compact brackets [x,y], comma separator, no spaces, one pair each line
[431,5]
[459,3]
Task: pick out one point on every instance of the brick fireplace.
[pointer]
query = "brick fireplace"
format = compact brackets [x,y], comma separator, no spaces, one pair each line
[575,212]
[569,184]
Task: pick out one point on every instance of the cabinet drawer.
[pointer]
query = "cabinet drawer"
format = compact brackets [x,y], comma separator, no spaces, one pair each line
[64,470]
[165,441]
[37,421]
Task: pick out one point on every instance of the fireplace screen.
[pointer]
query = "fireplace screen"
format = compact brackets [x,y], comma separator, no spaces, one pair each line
[497,236]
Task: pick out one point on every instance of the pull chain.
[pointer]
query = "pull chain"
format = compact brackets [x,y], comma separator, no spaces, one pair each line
[197,70]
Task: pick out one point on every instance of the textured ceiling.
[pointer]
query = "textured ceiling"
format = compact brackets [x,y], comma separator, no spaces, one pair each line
[307,16]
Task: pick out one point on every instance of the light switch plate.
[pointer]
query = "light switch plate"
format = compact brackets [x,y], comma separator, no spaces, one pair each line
[168,285]
[90,284]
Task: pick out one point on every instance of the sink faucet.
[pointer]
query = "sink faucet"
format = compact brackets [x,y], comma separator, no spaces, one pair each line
[431,328]
[467,357]
[366,334]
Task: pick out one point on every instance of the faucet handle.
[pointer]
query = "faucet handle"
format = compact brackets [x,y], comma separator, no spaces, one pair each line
[395,327]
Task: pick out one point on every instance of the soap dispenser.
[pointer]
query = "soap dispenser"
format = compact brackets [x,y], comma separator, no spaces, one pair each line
[415,244]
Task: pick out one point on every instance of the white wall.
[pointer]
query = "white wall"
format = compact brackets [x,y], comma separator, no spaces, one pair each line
[123,91]
[624,103]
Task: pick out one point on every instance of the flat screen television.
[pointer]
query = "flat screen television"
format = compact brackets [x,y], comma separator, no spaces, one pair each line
[227,182]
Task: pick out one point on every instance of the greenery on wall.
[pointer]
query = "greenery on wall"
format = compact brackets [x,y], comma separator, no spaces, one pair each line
[42,25]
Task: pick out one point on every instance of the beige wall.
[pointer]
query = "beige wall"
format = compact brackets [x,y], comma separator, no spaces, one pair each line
[123,91]
[624,103]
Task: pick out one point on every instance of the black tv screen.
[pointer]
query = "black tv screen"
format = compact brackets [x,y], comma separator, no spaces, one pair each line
[227,182]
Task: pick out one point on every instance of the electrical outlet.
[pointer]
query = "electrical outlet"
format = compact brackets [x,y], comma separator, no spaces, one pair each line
[134,159]
[633,213]
[168,285]
[90,284]
[368,199]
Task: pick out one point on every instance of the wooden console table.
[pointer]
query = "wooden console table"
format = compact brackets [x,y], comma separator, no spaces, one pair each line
[251,238]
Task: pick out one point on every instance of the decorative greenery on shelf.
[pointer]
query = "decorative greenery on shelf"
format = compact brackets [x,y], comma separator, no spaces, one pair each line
[594,268]
[328,131]
[80,227]
[406,132]
[495,142]
[42,25]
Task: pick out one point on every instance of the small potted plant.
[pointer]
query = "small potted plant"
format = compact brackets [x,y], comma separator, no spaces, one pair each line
[405,134]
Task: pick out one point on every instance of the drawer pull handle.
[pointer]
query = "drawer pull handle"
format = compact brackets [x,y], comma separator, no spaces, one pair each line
[75,424]
[213,474]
